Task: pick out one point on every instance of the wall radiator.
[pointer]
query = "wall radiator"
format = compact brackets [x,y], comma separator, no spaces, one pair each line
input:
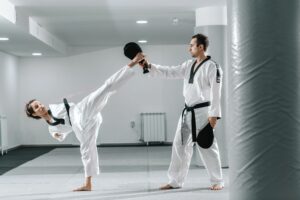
[3,135]
[153,127]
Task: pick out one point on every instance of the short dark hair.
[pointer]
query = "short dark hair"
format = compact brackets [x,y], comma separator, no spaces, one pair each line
[202,39]
[29,110]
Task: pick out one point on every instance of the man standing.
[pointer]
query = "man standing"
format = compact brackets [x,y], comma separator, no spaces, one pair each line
[202,93]
[84,118]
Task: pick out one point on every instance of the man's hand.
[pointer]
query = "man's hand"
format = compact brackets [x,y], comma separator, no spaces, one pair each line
[140,56]
[212,121]
[144,64]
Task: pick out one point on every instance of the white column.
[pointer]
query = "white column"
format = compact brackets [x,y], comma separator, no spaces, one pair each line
[212,22]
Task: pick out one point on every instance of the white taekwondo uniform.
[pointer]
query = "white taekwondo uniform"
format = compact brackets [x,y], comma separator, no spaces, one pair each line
[205,87]
[86,119]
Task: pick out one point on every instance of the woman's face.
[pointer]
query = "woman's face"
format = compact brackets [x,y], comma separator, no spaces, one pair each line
[39,109]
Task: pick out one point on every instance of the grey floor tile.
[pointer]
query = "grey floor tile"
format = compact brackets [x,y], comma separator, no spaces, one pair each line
[126,173]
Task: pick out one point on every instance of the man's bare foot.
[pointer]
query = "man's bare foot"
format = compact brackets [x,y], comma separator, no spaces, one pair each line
[217,187]
[167,187]
[83,188]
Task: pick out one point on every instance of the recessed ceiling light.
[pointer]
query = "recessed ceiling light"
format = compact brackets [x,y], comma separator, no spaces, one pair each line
[142,22]
[4,39]
[37,54]
[175,21]
[143,41]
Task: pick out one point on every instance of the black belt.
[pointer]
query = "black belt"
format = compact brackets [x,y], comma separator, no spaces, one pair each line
[193,119]
[68,109]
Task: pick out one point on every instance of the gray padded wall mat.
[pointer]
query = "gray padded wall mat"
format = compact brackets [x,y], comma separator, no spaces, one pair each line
[265,143]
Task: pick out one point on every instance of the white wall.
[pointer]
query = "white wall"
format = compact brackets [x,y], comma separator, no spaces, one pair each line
[51,79]
[9,97]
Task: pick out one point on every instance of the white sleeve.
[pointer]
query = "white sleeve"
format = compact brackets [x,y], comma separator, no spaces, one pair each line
[215,82]
[170,72]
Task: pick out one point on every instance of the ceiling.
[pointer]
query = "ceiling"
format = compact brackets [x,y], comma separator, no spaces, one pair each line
[67,27]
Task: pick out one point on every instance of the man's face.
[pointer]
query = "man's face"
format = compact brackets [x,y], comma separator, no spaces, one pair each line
[39,109]
[194,49]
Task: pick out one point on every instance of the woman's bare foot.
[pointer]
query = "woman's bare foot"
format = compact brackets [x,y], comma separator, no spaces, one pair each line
[167,187]
[217,187]
[83,188]
[86,187]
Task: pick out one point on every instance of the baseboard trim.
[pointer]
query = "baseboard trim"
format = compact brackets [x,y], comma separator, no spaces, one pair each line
[154,144]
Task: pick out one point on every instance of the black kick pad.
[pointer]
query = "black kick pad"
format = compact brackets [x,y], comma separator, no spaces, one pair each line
[130,51]
[205,137]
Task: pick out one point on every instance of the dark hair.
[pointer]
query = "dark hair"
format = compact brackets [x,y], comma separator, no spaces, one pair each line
[202,39]
[29,110]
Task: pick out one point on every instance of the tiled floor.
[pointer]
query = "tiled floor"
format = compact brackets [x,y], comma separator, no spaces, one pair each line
[126,173]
